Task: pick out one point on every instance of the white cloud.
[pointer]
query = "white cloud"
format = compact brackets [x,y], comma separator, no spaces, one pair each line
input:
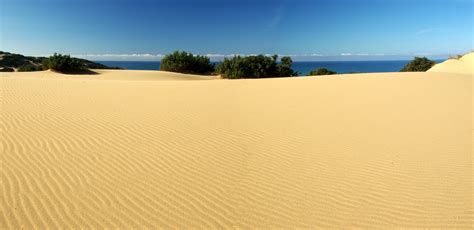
[159,56]
[215,55]
[425,31]
[119,55]
[220,56]
[275,20]
[360,54]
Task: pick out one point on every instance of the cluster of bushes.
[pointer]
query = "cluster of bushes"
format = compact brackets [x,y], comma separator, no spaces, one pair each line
[64,64]
[60,63]
[237,67]
[255,67]
[321,71]
[420,64]
[30,67]
[7,69]
[183,62]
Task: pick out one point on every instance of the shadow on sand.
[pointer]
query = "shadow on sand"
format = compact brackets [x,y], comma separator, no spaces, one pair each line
[82,72]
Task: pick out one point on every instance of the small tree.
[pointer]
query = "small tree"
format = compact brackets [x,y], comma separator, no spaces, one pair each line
[284,68]
[183,62]
[64,64]
[321,71]
[418,65]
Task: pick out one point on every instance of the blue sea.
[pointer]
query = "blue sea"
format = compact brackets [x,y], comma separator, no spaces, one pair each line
[302,67]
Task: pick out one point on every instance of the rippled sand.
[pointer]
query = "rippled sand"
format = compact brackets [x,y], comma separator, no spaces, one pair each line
[137,149]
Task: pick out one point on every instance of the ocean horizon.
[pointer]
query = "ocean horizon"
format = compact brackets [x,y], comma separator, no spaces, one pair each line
[302,67]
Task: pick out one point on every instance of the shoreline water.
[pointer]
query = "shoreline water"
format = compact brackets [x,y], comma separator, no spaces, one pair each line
[303,67]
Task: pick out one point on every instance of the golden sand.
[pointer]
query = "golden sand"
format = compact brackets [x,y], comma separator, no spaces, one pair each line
[126,149]
[463,65]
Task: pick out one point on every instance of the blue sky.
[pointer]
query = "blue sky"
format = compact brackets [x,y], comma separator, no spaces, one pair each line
[305,29]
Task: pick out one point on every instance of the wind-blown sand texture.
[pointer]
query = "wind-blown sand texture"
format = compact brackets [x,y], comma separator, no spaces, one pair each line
[125,149]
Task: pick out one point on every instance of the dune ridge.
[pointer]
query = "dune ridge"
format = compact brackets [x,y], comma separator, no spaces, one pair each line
[463,65]
[135,149]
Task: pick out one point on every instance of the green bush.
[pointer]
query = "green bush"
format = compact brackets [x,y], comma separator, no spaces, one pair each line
[64,64]
[183,62]
[418,65]
[30,67]
[7,69]
[321,71]
[259,66]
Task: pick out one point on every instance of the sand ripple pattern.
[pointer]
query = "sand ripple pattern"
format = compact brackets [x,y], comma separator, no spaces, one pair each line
[383,150]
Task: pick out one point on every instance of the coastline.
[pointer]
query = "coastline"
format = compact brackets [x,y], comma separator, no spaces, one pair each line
[303,67]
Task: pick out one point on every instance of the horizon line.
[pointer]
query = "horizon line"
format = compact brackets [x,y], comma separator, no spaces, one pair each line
[300,57]
[347,56]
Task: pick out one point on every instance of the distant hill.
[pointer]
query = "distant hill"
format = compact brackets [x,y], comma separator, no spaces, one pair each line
[10,61]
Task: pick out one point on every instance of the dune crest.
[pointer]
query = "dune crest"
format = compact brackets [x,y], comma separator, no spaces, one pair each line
[463,65]
[143,149]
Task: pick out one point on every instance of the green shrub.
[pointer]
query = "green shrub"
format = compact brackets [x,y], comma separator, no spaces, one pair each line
[7,69]
[455,57]
[418,65]
[30,67]
[259,66]
[183,62]
[64,64]
[321,71]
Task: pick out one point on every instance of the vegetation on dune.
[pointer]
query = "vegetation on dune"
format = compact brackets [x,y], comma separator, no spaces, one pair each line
[26,63]
[64,64]
[259,66]
[419,64]
[284,68]
[7,69]
[321,71]
[30,67]
[17,60]
[459,56]
[184,62]
[456,57]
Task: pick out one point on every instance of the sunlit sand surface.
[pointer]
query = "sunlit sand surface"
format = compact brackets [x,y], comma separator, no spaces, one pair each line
[144,149]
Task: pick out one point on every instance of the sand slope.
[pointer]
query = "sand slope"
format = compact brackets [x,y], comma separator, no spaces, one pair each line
[115,75]
[362,150]
[464,65]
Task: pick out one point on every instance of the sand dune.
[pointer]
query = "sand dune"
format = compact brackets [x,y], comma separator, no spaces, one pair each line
[464,65]
[123,149]
[115,75]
